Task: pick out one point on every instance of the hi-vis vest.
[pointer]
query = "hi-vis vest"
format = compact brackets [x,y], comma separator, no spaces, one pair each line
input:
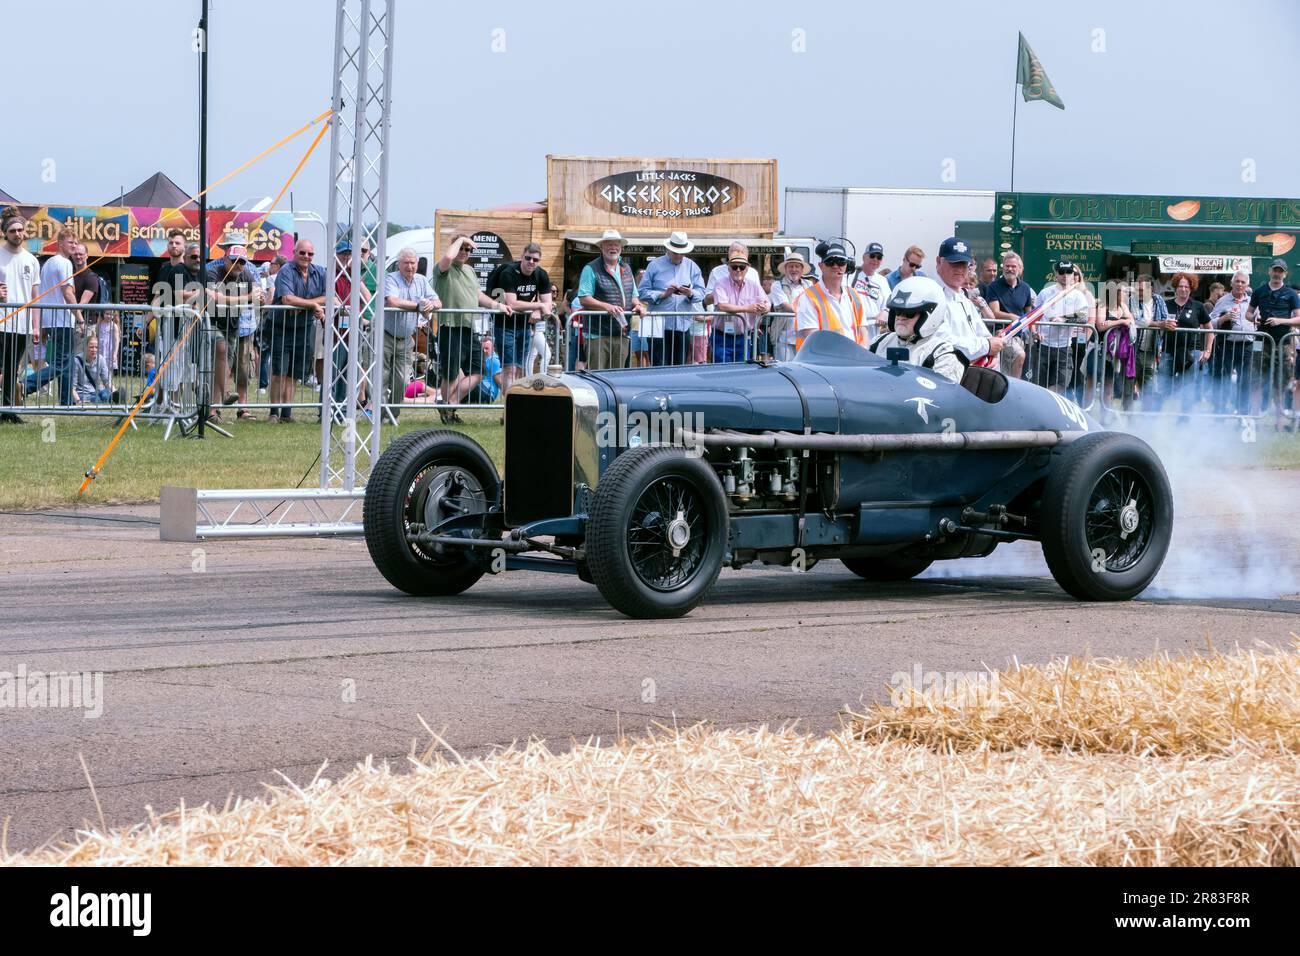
[826,316]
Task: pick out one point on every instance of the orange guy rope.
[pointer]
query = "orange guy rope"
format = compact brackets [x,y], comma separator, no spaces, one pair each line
[95,469]
[262,155]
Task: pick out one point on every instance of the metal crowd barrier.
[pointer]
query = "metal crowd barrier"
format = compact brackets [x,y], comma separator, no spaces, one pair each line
[54,376]
[1282,373]
[1174,375]
[1062,356]
[449,364]
[597,340]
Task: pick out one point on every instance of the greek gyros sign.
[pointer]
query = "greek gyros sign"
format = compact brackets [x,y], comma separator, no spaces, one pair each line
[665,194]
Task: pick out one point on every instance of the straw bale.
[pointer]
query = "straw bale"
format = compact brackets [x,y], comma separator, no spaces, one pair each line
[1195,703]
[1151,763]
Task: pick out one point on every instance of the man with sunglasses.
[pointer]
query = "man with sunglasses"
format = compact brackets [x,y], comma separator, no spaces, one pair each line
[527,296]
[1053,358]
[19,274]
[873,286]
[913,259]
[739,301]
[301,286]
[830,304]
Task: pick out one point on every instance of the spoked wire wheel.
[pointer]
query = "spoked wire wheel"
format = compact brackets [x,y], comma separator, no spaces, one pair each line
[1107,516]
[656,532]
[1120,519]
[666,535]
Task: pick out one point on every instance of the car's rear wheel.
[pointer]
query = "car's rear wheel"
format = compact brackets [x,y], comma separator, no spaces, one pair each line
[424,478]
[889,567]
[1107,517]
[656,532]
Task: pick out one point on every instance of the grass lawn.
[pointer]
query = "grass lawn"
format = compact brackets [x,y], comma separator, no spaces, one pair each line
[39,473]
[36,472]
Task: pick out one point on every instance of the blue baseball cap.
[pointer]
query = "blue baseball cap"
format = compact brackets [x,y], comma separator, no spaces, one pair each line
[955,250]
[875,247]
[343,246]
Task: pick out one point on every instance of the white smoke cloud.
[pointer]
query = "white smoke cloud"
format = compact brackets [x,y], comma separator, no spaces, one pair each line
[1228,508]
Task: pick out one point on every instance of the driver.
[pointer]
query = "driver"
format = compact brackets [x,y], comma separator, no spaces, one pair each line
[917,311]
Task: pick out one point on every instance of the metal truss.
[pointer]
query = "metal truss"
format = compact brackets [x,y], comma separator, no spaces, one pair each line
[363,60]
[193,514]
[358,208]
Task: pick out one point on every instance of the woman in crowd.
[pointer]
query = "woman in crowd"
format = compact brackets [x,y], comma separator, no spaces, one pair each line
[1082,345]
[1119,339]
[972,292]
[1149,314]
[92,382]
[1185,354]
[108,330]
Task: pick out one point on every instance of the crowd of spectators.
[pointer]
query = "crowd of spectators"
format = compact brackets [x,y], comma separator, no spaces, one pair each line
[1137,344]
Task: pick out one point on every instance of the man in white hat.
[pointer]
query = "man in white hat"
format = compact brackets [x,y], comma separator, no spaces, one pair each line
[784,299]
[672,284]
[607,285]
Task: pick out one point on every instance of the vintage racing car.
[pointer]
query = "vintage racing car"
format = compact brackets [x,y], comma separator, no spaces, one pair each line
[646,482]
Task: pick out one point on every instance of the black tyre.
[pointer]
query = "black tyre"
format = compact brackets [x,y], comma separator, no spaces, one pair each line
[888,567]
[657,532]
[422,478]
[1107,517]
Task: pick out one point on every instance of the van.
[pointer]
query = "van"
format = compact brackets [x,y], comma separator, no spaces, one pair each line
[423,241]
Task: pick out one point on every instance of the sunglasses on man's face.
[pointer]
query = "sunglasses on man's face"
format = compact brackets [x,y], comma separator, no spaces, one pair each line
[307,255]
[875,255]
[912,265]
[835,263]
[905,313]
[532,258]
[738,267]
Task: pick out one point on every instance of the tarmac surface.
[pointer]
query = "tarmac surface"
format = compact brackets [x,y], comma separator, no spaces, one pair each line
[225,662]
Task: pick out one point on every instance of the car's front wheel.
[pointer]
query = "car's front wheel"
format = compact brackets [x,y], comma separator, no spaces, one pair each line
[424,478]
[656,532]
[1107,517]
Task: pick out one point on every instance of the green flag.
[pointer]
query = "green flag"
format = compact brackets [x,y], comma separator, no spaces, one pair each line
[1034,84]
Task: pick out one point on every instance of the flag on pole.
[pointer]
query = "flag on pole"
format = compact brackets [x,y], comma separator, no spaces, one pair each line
[1034,84]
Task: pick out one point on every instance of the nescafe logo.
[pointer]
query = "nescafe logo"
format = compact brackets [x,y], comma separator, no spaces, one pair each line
[665,194]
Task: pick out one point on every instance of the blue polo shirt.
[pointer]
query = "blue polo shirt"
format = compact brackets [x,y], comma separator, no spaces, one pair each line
[1275,304]
[289,281]
[1017,301]
[896,276]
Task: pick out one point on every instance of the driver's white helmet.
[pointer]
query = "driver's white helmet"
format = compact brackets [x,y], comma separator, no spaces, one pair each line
[919,294]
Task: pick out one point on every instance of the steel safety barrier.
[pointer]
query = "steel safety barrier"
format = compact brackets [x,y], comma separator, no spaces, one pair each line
[1187,371]
[599,340]
[97,359]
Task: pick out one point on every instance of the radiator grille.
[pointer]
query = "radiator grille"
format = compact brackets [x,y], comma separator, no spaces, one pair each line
[539,457]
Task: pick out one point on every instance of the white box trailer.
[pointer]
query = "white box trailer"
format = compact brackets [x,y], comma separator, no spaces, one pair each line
[896,218]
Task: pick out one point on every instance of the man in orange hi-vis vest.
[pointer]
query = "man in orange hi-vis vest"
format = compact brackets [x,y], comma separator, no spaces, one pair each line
[831,304]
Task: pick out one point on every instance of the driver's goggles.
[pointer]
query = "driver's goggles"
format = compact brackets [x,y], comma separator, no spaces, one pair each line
[905,313]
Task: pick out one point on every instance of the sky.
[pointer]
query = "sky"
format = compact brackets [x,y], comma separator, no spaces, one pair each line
[1190,98]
